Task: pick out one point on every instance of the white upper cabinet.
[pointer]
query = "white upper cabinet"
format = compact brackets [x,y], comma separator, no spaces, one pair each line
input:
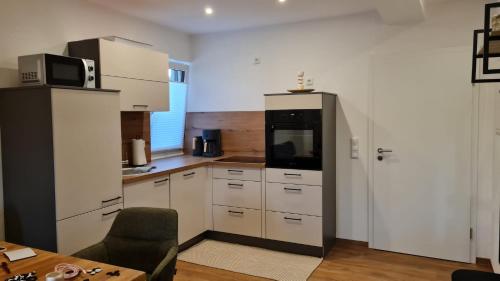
[139,95]
[122,60]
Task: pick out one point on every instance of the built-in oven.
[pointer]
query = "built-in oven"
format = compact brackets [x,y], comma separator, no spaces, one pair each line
[293,139]
[43,69]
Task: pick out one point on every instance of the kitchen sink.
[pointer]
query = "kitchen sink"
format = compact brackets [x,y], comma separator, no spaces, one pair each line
[243,159]
[136,171]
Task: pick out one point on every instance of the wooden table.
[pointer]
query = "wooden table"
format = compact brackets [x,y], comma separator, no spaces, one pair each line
[45,262]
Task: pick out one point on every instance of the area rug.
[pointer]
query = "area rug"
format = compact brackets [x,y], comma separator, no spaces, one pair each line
[251,261]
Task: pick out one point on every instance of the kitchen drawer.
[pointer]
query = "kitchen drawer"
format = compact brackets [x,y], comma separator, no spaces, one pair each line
[79,232]
[151,193]
[293,228]
[291,198]
[237,221]
[294,176]
[245,194]
[237,173]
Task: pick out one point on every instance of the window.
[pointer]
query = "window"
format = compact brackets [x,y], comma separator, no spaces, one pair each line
[167,128]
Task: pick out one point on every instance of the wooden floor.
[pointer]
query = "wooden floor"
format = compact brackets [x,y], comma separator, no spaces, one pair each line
[349,261]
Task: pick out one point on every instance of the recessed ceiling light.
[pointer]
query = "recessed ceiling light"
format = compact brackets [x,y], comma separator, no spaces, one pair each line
[282,1]
[209,10]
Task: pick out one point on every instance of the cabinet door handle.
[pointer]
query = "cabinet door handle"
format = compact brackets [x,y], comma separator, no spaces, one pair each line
[293,189]
[111,200]
[140,106]
[161,181]
[292,219]
[235,171]
[110,213]
[235,185]
[190,174]
[235,212]
[292,175]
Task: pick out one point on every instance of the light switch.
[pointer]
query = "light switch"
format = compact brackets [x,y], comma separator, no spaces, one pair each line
[354,148]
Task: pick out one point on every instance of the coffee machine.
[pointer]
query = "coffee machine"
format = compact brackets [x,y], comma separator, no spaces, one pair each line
[212,144]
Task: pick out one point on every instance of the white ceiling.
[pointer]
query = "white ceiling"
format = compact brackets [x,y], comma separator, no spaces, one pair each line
[188,15]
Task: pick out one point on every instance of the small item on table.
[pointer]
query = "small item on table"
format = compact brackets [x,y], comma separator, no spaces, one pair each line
[24,277]
[5,267]
[113,273]
[69,270]
[300,84]
[94,270]
[20,254]
[54,276]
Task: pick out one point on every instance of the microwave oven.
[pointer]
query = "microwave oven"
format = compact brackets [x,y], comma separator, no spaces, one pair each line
[47,69]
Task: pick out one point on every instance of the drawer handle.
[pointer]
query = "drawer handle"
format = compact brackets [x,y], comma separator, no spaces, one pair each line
[292,175]
[110,213]
[111,200]
[140,105]
[161,181]
[293,189]
[235,171]
[292,219]
[235,185]
[235,212]
[190,174]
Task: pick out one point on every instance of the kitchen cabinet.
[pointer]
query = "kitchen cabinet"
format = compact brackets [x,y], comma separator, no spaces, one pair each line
[153,193]
[237,200]
[140,73]
[139,95]
[79,232]
[292,198]
[299,229]
[188,198]
[61,155]
[87,148]
[237,220]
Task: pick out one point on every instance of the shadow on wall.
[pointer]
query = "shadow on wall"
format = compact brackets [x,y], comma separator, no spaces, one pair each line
[8,77]
[351,180]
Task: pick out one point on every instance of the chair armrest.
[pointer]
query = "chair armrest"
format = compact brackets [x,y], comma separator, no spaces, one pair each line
[168,260]
[97,252]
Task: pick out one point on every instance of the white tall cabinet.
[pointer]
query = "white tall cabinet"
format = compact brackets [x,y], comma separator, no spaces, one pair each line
[61,165]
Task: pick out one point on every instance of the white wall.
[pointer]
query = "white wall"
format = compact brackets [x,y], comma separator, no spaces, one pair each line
[34,26]
[337,53]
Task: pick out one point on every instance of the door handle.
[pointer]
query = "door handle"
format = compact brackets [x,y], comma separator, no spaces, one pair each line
[381,150]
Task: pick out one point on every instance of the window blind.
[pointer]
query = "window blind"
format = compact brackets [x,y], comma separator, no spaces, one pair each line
[167,128]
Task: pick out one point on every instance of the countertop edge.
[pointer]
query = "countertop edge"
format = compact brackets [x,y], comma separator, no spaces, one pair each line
[207,162]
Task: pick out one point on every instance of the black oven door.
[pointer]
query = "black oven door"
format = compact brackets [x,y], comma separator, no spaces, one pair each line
[65,71]
[293,139]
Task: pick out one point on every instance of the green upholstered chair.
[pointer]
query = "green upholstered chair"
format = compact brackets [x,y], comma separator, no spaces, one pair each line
[144,239]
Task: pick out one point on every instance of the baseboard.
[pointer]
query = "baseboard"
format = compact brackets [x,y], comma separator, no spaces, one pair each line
[351,242]
[484,262]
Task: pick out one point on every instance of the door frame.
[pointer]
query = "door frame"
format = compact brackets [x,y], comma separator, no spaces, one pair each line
[474,153]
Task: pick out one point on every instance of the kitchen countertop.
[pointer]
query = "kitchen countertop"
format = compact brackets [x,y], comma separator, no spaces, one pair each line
[166,166]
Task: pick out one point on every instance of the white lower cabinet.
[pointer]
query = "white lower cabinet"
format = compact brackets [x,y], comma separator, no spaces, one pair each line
[291,198]
[151,193]
[300,229]
[237,221]
[188,198]
[79,232]
[245,194]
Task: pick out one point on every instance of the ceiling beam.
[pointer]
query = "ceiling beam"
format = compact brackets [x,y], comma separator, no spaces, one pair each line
[401,11]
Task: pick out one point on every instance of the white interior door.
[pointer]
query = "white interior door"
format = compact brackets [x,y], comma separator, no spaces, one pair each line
[422,111]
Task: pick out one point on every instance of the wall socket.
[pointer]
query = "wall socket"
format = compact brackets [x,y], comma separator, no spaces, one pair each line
[256,61]
[310,82]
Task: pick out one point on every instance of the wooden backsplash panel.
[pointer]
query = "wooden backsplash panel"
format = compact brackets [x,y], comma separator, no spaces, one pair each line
[135,125]
[242,131]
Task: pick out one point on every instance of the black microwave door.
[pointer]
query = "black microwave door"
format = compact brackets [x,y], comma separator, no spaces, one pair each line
[294,146]
[64,71]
